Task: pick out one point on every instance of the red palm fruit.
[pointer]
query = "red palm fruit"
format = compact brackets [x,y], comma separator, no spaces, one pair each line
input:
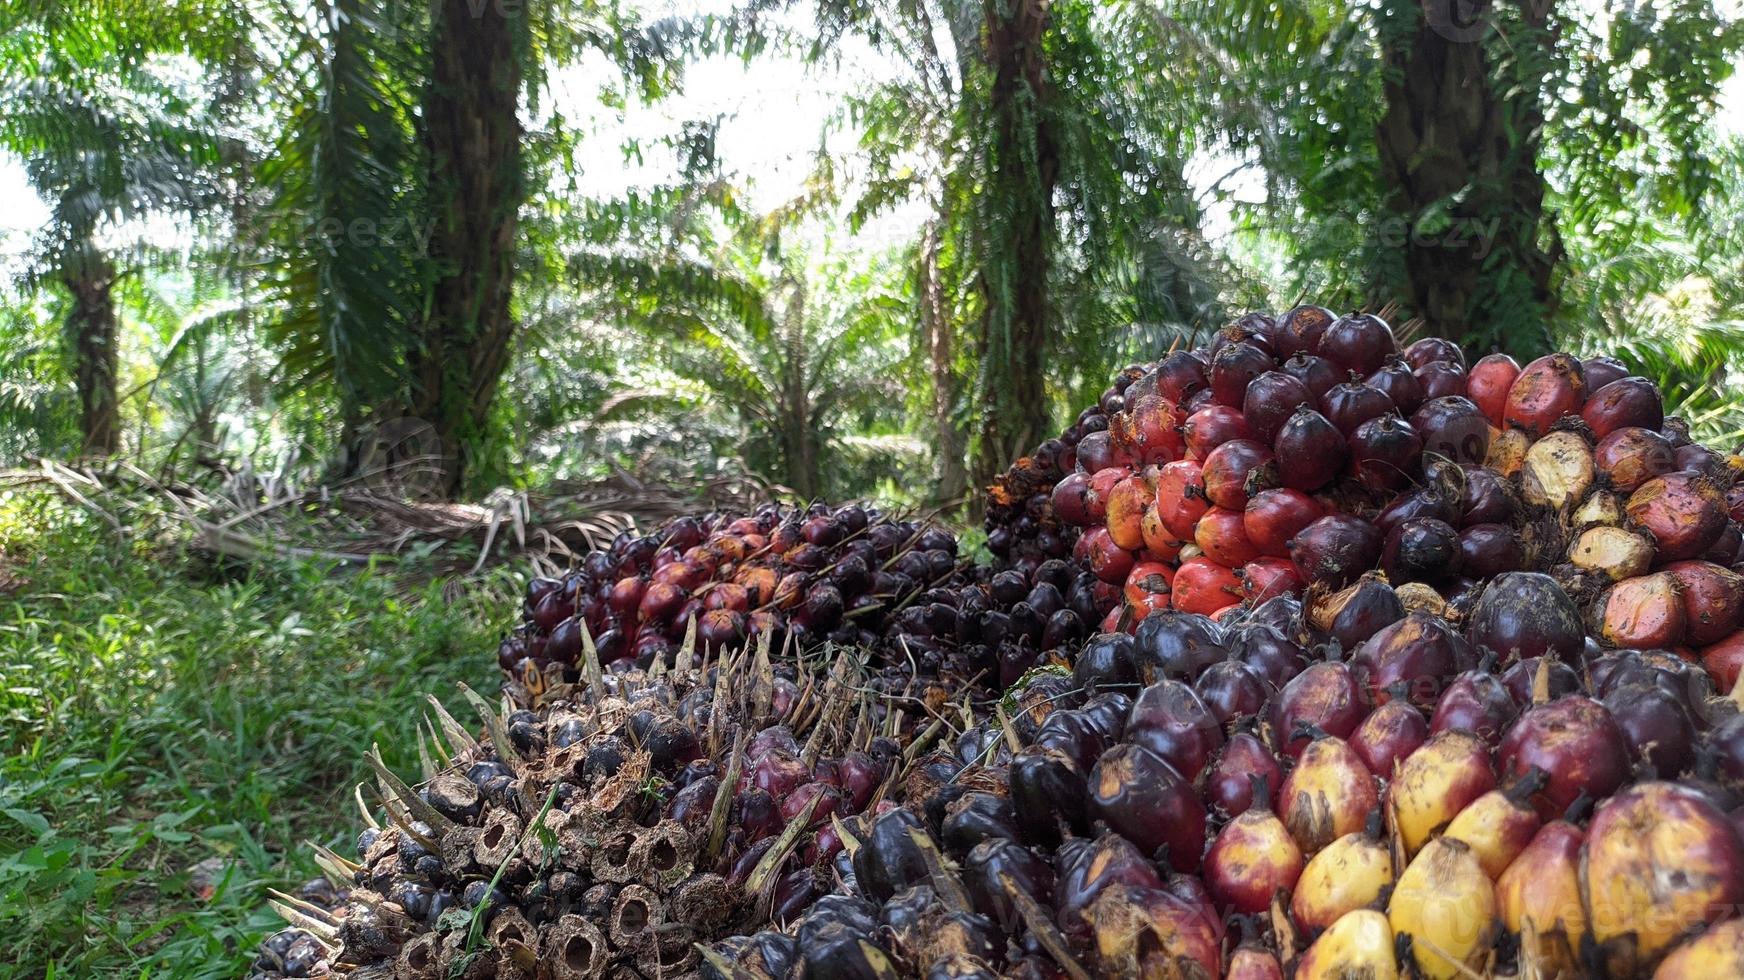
[1127,503]
[1150,430]
[1640,906]
[1437,781]
[1576,742]
[1179,375]
[1142,798]
[1159,544]
[1253,858]
[1227,469]
[1267,578]
[1542,886]
[1108,560]
[1148,578]
[1308,452]
[1724,660]
[1385,453]
[1526,614]
[1713,600]
[1325,696]
[1453,427]
[1170,719]
[1421,652]
[1434,350]
[1234,367]
[1421,550]
[721,628]
[1396,380]
[1273,517]
[1153,933]
[625,595]
[1641,613]
[1488,383]
[726,595]
[1628,402]
[1335,549]
[1389,734]
[1351,404]
[1181,499]
[1071,499]
[1232,691]
[759,583]
[1270,400]
[790,591]
[1630,456]
[1477,702]
[1253,960]
[1441,380]
[1601,371]
[1546,390]
[1318,374]
[661,601]
[1102,484]
[1359,342]
[1684,511]
[1300,330]
[1213,426]
[1230,781]
[1203,586]
[1222,537]
[1328,794]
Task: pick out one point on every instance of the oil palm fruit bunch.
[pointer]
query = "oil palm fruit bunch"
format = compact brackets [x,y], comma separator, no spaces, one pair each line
[1295,454]
[295,952]
[608,832]
[1022,528]
[801,576]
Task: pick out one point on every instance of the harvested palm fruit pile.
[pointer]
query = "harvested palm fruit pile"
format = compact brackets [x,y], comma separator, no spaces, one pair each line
[1305,656]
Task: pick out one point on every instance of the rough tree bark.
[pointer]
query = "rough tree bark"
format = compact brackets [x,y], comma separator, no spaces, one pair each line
[1451,125]
[477,184]
[1015,331]
[91,327]
[951,443]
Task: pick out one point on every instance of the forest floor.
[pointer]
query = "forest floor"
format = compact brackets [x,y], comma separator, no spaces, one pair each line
[159,709]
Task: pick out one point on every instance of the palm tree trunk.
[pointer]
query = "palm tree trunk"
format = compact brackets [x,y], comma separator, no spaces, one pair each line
[1457,124]
[477,183]
[91,328]
[1025,167]
[935,318]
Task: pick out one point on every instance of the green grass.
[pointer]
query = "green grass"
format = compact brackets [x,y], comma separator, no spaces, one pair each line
[157,710]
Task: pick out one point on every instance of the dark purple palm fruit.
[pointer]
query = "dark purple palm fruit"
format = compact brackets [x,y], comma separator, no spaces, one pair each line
[1234,368]
[888,860]
[1270,400]
[1142,798]
[1308,452]
[1441,380]
[1400,384]
[1359,342]
[1326,697]
[1089,867]
[1385,453]
[975,817]
[985,870]
[1350,404]
[1477,702]
[1423,549]
[1176,644]
[1266,649]
[1047,790]
[1336,549]
[1521,678]
[1170,719]
[1453,427]
[1433,350]
[1317,373]
[1488,550]
[1526,614]
[1300,330]
[1229,785]
[1232,691]
[1357,612]
[1431,501]
[1421,652]
[1658,727]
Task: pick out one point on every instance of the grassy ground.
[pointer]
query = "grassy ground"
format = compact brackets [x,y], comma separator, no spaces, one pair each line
[157,710]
